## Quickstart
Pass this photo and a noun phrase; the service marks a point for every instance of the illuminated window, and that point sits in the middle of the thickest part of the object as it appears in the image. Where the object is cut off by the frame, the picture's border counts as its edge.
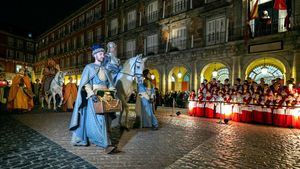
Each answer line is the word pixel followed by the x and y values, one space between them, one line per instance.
pixel 272 73
pixel 222 74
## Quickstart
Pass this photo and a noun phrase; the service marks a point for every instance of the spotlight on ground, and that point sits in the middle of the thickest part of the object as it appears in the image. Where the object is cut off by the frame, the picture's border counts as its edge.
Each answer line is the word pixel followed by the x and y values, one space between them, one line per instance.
pixel 178 113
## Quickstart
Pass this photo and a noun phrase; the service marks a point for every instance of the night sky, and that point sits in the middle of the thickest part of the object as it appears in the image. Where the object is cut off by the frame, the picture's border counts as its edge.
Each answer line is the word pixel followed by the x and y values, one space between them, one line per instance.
pixel 35 16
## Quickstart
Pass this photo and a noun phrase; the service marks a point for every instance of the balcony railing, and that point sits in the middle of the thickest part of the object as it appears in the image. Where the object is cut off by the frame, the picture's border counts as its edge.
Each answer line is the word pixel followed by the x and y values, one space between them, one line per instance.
pixel 153 16
pixel 131 25
pixel 152 50
pixel 216 38
pixel 180 6
pixel 113 32
pixel 178 44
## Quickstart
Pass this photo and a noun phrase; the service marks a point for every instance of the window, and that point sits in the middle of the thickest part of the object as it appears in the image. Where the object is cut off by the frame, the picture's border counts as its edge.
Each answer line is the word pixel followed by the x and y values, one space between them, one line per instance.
pixel 269 21
pixel 222 74
pixel 130 48
pixel 152 46
pixel 81 21
pixel 114 27
pixel 89 56
pixel 80 59
pixel 30 46
pixel 57 49
pixel 112 4
pixel 10 41
pixel 20 44
pixel 10 53
pixel 98 12
pixel 82 40
pixel 179 5
pixel 131 19
pixel 68 45
pixel 178 38
pixel 68 62
pixel 74 43
pixel 52 51
pixel 152 11
pixel 98 34
pixel 216 31
pixel 63 47
pixel 62 62
pixel 272 73
pixel 90 37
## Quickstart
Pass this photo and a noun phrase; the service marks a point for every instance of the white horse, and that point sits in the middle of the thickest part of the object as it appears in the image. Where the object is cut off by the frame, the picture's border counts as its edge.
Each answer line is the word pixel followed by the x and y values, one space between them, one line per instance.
pixel 132 69
pixel 56 87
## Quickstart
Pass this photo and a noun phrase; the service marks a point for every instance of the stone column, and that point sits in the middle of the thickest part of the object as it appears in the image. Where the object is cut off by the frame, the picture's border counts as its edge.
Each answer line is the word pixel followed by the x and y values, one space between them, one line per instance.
pixel 195 77
pixel 236 69
pixel 296 67
pixel 164 81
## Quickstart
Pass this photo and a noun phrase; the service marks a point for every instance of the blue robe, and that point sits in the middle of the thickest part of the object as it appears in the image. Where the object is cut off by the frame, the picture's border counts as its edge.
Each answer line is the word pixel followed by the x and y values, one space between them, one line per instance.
pixel 86 125
pixel 147 113
pixel 113 69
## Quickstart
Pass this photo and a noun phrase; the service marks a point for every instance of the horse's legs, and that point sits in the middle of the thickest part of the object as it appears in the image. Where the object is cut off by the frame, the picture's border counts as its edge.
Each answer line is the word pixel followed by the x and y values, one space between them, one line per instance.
pixel 126 115
pixel 54 101
pixel 61 98
pixel 49 101
pixel 42 101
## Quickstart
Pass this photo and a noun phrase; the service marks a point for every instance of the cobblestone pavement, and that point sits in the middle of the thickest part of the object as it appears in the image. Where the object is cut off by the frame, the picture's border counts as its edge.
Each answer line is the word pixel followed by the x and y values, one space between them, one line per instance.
pixel 182 142
pixel 22 147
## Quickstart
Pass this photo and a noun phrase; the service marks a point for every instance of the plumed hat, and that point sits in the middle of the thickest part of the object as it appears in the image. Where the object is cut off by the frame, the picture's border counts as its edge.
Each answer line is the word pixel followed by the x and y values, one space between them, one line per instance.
pixel 96 48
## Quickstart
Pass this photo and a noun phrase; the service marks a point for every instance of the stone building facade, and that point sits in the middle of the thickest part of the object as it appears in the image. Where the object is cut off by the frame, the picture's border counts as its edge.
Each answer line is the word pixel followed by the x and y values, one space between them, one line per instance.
pixel 16 51
pixel 186 41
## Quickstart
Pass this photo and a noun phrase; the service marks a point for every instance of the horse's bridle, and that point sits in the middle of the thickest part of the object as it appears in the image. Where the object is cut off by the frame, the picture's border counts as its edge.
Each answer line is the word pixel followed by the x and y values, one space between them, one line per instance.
pixel 138 75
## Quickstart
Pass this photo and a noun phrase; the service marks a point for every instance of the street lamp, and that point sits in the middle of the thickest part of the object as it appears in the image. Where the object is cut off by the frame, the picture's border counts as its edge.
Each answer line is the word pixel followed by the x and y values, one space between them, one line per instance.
pixel 179 75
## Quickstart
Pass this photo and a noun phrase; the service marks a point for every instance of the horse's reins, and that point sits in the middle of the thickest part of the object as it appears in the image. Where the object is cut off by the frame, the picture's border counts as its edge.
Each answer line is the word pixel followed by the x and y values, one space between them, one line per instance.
pixel 134 74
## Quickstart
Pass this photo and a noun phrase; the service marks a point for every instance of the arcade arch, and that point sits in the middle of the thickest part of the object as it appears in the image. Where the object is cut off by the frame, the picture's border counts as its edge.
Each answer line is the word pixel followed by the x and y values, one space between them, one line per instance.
pixel 179 79
pixel 155 77
pixel 214 70
pixel 267 68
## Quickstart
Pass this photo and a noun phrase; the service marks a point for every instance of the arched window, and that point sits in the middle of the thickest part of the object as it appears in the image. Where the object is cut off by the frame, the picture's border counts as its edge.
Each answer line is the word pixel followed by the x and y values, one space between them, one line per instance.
pixel 222 74
pixel 186 78
pixel 173 78
pixel 272 73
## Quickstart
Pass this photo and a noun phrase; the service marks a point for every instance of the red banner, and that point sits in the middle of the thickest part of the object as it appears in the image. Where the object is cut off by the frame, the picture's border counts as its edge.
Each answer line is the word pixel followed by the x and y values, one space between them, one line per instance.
pixel 280 5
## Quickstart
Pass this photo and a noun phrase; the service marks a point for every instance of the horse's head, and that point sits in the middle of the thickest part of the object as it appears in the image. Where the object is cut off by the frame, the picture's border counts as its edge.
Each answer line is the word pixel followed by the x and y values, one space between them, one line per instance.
pixel 134 66
pixel 59 77
pixel 138 66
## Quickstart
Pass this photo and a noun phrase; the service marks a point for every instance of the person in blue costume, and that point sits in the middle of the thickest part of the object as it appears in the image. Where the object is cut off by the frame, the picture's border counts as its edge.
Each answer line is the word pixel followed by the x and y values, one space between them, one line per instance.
pixel 146 93
pixel 87 126
pixel 112 63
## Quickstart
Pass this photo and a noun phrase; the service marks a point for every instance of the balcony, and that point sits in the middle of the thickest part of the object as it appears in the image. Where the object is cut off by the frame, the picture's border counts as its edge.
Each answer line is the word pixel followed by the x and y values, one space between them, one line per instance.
pixel 215 38
pixel 153 16
pixel 152 50
pixel 180 6
pixel 129 54
pixel 177 44
pixel 113 32
pixel 131 25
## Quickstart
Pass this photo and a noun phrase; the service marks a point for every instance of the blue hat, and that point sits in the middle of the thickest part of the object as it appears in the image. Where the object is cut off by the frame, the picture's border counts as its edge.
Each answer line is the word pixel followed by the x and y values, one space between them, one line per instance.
pixel 97 48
